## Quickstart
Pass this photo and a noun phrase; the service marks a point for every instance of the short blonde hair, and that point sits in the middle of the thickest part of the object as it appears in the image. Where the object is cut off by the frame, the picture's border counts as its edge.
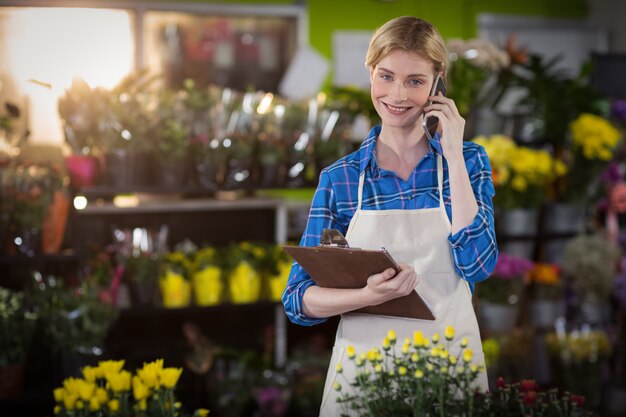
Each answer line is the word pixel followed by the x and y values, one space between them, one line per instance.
pixel 410 34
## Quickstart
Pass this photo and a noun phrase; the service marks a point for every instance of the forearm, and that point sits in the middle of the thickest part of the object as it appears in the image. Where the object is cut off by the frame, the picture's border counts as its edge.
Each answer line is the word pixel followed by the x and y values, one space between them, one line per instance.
pixel 320 302
pixel 463 200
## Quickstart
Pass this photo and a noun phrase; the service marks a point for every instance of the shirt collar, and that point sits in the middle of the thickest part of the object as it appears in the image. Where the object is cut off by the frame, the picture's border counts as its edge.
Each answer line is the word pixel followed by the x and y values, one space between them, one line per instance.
pixel 368 147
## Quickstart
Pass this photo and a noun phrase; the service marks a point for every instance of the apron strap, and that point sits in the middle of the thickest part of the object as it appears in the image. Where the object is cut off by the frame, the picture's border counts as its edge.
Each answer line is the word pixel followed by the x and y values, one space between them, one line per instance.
pixel 440 180
pixel 360 192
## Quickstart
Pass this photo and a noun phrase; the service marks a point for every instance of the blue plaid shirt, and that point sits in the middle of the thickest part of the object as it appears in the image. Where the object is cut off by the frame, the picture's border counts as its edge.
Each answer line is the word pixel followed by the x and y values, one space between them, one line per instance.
pixel 474 248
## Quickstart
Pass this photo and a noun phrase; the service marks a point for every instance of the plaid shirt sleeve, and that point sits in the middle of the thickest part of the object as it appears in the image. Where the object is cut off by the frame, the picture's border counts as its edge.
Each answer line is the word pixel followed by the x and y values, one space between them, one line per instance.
pixel 474 248
pixel 323 215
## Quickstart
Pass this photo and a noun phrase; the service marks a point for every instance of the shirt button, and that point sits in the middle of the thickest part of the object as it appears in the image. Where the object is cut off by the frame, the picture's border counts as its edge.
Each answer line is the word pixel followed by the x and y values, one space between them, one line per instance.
pixel 410 197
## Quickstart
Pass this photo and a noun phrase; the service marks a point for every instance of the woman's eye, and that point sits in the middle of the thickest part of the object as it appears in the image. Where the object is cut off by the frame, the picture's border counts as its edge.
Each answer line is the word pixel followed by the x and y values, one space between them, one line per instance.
pixel 386 77
pixel 414 83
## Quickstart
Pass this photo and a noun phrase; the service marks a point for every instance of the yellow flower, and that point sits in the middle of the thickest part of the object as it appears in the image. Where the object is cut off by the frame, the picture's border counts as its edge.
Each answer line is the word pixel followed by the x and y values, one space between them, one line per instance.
pixel 339 368
pixel 351 352
pixel 594 136
pixel 405 349
pixel 114 406
pixel 464 342
pixel 80 405
pixel 57 409
pixel 372 355
pixel 435 338
pixel 467 355
pixel 418 338
pixel 449 333
pixel 69 400
pixel 201 412
pixel 337 386
pixel 119 382
pixel 106 367
pixel 378 368
pixel 169 377
pixel 94 404
pixel 149 374
pixel 415 357
pixel 101 395
pixel 140 390
pixel 391 335
pixel 474 368
pixel 85 389
pixel 452 359
pixel 419 373
pixel 90 373
pixel 386 343
pixel 58 394
pixel 402 371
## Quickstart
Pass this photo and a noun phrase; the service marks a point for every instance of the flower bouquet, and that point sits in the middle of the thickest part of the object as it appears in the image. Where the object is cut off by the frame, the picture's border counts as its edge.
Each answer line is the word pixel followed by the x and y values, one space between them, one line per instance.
pixel 174 283
pixel 109 390
pixel 244 272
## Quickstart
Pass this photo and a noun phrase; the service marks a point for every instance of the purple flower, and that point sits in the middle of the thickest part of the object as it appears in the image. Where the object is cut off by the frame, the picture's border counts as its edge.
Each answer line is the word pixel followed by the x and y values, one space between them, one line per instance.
pixel 618 111
pixel 511 267
pixel 611 174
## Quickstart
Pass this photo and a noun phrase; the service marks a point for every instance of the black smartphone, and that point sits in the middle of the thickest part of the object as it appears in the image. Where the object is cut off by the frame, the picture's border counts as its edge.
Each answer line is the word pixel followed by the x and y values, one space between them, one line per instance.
pixel 430 122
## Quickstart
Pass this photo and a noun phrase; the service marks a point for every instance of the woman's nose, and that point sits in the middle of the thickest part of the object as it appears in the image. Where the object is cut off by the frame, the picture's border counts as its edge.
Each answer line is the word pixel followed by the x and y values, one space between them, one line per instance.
pixel 398 93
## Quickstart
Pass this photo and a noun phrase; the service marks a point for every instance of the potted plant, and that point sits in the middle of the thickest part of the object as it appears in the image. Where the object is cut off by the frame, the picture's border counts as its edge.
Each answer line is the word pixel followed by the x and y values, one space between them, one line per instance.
pixel 547 302
pixel 109 389
pixel 578 359
pixel 590 261
pixel 129 130
pixel 74 320
pixel 174 280
pixel 500 295
pixel 84 112
pixel 434 377
pixel 17 324
pixel 521 177
pixel 244 272
pixel 207 279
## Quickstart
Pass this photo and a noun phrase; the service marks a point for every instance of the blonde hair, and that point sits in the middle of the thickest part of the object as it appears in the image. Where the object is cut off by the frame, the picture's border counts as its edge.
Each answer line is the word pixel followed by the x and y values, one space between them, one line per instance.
pixel 410 34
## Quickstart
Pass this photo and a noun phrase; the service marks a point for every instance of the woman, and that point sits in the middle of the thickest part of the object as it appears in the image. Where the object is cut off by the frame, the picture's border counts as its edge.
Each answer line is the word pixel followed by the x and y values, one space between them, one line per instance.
pixel 427 202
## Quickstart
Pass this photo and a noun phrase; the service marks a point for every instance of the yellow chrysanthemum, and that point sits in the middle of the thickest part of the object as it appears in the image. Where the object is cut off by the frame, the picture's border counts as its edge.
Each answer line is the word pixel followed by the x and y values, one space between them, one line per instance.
pixel 594 136
pixel 351 352
pixel 419 373
pixel 402 370
pixel 339 368
pixel 467 355
pixel 391 335
pixel 337 386
pixel 415 357
pixel 386 343
pixel 378 368
pixel 418 338
pixel 449 332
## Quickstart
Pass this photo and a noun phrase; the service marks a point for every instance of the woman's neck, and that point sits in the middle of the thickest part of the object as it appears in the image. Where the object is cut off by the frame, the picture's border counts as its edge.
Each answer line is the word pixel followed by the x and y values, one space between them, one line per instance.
pixel 400 150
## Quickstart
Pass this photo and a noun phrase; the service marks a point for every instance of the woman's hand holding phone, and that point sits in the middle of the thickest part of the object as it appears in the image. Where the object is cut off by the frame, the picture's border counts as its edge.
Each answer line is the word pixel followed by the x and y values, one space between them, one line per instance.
pixel 388 285
pixel 451 124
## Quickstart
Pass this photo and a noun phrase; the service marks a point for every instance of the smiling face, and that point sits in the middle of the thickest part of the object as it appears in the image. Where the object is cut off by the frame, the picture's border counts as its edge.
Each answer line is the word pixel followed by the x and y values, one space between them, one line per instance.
pixel 401 83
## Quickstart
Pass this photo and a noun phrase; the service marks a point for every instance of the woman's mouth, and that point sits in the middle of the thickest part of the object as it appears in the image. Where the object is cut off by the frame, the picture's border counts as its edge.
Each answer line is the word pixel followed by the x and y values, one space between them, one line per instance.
pixel 396 110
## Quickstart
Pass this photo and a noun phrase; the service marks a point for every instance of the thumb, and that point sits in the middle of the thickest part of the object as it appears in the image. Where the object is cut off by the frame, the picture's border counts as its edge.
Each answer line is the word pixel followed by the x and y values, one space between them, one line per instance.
pixel 385 275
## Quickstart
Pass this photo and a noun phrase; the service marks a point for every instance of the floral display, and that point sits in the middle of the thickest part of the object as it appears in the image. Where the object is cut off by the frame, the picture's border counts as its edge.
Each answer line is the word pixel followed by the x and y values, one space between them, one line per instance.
pixel 472 62
pixel 434 376
pixel 17 326
pixel 521 175
pixel 207 278
pixel 591 261
pixel 506 283
pixel 109 390
pixel 546 280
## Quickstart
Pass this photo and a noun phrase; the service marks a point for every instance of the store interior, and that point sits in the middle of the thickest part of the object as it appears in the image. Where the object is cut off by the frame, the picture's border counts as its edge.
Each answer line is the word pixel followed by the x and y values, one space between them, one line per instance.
pixel 155 157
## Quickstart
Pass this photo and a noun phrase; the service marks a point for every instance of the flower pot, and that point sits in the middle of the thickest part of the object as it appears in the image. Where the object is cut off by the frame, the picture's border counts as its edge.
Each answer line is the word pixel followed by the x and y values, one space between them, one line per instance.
pixel 53 228
pixel 497 318
pixel 127 169
pixel 244 284
pixel 175 290
pixel 543 313
pixel 563 218
pixel 517 222
pixel 11 381
pixel 83 170
pixel 208 286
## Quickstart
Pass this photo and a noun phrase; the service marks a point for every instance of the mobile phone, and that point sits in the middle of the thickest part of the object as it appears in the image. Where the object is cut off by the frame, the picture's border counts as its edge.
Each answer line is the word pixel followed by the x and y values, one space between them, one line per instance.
pixel 430 123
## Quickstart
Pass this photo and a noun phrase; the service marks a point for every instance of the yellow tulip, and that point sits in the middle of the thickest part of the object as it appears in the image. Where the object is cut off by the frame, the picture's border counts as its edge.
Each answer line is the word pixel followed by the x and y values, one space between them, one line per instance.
pixel 101 395
pixel 57 409
pixel 106 367
pixel 90 373
pixel 142 404
pixel 85 389
pixel 149 374
pixel 69 400
pixel 119 382
pixel 140 390
pixel 58 394
pixel 169 377
pixel 94 404
pixel 114 406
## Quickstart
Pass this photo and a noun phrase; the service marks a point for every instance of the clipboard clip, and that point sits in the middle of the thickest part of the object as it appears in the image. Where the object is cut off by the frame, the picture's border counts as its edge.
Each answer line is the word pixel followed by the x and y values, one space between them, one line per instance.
pixel 333 237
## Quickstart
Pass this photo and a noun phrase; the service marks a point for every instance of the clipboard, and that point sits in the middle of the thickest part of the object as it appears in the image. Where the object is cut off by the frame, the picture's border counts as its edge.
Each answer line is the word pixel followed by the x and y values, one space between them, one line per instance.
pixel 344 267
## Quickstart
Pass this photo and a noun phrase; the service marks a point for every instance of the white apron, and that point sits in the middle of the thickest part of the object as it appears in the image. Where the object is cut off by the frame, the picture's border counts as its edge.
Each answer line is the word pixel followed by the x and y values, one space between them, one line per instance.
pixel 417 237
